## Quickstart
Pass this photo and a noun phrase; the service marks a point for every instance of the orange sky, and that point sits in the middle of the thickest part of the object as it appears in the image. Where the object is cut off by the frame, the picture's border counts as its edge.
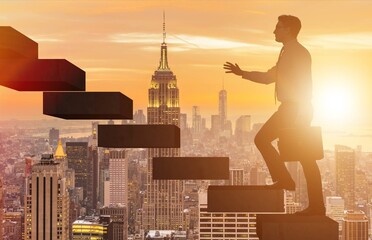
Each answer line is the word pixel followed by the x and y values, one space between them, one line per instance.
pixel 117 43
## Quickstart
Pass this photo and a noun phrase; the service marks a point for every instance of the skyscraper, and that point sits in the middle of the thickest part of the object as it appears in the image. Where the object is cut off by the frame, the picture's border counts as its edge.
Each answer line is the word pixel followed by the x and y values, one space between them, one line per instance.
pixel 78 159
pixel 236 176
pixel 355 226
pixel 1 209
pixel 53 137
pixel 335 207
pixel 163 201
pixel 139 117
pixel 118 170
pixel 119 217
pixel 242 129
pixel 345 175
pixel 224 225
pixel 196 122
pixel 47 201
pixel 222 107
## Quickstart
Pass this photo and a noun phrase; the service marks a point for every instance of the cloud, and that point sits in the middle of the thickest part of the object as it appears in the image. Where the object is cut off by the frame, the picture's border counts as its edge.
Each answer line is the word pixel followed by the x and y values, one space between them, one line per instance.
pixel 45 39
pixel 184 42
pixel 356 41
pixel 106 69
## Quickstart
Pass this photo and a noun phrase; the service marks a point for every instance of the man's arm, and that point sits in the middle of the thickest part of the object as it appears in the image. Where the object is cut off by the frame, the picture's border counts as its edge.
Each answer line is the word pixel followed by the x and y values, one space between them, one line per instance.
pixel 254 76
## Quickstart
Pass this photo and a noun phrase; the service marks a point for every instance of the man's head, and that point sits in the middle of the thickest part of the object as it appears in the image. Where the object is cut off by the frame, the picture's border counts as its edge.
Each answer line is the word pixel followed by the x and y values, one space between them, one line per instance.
pixel 287 28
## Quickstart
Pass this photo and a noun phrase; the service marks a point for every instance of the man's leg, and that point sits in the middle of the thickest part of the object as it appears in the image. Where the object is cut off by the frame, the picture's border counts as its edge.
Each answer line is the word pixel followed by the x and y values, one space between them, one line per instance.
pixel 263 140
pixel 314 188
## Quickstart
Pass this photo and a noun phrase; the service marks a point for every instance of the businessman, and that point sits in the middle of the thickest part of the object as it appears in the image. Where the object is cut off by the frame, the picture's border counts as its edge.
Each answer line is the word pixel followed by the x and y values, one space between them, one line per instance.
pixel 293 89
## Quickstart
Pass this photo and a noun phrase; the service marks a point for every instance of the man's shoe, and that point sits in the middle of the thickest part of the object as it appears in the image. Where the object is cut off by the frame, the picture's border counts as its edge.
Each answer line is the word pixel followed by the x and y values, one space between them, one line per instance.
pixel 311 211
pixel 290 186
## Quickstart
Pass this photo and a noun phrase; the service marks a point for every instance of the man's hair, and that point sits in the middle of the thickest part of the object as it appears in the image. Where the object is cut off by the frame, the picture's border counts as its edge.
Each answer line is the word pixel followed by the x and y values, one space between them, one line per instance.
pixel 292 22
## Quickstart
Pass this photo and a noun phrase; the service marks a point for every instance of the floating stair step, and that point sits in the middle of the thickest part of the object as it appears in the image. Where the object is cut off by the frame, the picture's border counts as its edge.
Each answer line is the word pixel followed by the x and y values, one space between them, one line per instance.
pixel 190 168
pixel 293 227
pixel 14 44
pixel 245 199
pixel 41 75
pixel 87 105
pixel 139 136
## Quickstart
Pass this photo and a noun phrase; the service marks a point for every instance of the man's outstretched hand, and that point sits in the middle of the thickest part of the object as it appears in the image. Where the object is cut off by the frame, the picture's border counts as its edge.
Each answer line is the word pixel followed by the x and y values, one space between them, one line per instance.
pixel 231 68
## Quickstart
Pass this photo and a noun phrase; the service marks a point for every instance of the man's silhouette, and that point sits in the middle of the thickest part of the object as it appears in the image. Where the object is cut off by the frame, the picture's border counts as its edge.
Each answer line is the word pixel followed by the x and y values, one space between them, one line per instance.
pixel 293 89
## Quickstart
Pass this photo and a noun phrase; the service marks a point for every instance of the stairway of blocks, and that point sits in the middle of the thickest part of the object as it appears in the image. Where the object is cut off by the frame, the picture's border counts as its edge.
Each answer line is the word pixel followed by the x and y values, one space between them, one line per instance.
pixel 64 96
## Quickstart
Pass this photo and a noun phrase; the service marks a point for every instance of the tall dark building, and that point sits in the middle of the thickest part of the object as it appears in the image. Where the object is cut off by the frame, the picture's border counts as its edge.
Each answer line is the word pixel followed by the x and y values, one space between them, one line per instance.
pixel 345 175
pixel 53 137
pixel 139 117
pixel 1 209
pixel 163 203
pixel 118 216
pixel 78 158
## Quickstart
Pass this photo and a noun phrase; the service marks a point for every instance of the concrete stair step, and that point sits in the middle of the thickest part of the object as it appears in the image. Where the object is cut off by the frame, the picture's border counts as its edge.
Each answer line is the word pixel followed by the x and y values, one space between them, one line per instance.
pixel 190 168
pixel 87 105
pixel 293 227
pixel 41 75
pixel 253 199
pixel 14 44
pixel 139 136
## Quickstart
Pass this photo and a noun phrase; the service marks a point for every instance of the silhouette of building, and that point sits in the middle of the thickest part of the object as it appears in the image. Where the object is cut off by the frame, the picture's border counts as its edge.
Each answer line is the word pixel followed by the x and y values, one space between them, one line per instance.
pixel 355 226
pixel 222 107
pixel 104 177
pixel 53 137
pixel 242 129
pixel 1 209
pixel 224 226
pixel 236 176
pixel 215 125
pixel 139 117
pixel 183 121
pixel 79 160
pixel 118 170
pixel 335 207
pixel 345 175
pixel 47 201
pixel 163 200
pixel 196 122
pixel 118 216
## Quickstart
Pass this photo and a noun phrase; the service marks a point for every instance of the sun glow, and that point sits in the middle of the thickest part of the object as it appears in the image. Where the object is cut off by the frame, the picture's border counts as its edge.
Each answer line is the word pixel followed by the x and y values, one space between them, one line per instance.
pixel 335 105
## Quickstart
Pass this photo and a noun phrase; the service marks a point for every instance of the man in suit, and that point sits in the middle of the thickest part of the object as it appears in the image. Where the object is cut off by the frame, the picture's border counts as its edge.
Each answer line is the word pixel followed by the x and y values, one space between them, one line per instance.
pixel 293 89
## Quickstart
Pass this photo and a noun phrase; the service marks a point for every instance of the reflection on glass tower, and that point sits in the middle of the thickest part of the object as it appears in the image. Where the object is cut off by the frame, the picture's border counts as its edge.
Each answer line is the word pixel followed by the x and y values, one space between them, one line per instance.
pixel 163 202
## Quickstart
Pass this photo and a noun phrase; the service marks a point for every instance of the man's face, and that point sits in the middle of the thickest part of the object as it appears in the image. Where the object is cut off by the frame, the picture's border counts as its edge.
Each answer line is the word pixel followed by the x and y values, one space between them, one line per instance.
pixel 281 32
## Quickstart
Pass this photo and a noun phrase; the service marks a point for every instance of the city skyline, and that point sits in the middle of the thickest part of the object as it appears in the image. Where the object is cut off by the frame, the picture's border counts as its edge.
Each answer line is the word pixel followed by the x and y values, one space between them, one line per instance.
pixel 126 34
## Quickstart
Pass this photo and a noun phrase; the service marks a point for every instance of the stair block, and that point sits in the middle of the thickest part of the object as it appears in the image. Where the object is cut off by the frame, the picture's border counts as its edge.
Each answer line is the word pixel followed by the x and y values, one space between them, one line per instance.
pixel 14 44
pixel 139 136
pixel 190 168
pixel 87 105
pixel 293 227
pixel 253 199
pixel 41 75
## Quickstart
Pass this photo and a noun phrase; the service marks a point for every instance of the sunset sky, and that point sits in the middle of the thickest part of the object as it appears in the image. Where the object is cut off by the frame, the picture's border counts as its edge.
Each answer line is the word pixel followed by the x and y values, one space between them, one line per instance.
pixel 117 43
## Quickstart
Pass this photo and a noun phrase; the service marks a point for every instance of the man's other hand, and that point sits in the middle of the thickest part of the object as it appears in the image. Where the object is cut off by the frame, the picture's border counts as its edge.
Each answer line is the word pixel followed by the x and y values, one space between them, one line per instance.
pixel 231 68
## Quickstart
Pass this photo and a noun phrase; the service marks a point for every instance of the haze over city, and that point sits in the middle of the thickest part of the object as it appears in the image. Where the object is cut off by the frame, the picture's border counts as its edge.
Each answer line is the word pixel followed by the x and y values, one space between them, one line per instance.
pixel 116 43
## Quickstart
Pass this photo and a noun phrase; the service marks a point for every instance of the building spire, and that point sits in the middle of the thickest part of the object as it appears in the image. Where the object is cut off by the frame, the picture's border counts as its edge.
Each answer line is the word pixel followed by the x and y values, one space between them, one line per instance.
pixel 164 33
pixel 163 65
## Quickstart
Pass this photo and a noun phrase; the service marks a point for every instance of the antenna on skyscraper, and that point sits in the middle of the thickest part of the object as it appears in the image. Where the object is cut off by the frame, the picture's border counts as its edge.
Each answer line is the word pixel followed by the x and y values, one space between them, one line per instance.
pixel 164 33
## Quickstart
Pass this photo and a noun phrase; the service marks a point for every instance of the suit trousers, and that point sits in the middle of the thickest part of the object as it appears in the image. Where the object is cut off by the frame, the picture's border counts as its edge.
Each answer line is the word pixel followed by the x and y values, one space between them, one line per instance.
pixel 289 115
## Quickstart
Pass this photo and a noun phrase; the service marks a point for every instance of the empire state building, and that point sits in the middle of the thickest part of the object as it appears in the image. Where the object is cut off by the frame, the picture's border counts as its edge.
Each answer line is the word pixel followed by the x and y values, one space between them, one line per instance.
pixel 163 202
